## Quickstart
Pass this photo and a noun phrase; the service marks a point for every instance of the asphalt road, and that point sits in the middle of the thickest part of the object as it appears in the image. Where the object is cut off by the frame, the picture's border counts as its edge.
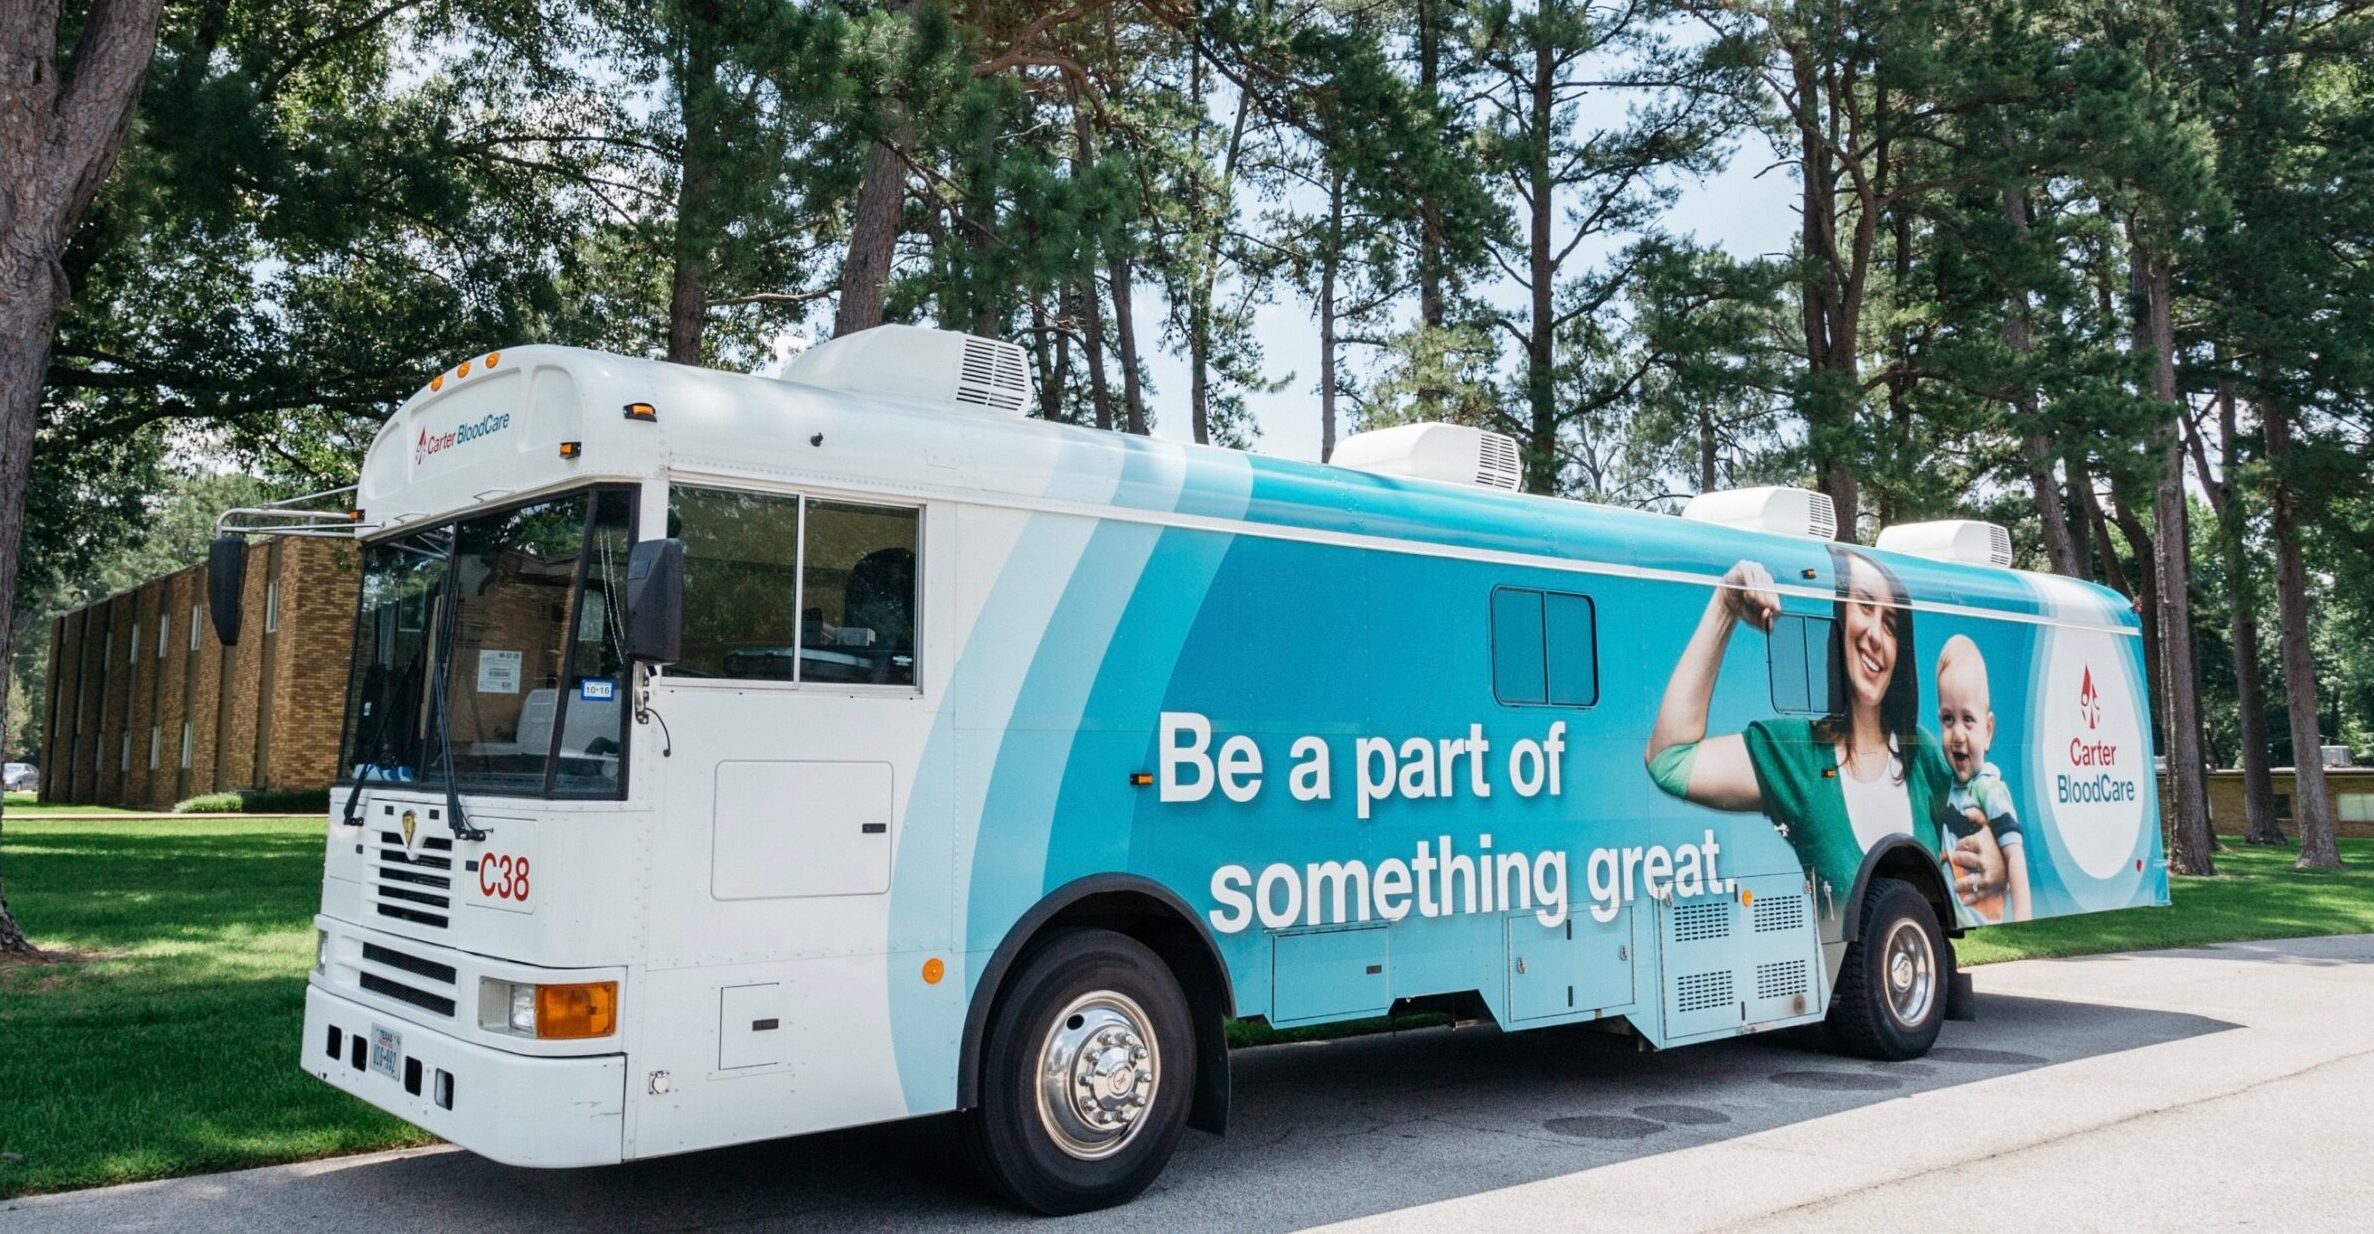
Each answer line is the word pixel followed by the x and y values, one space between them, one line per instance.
pixel 2193 1089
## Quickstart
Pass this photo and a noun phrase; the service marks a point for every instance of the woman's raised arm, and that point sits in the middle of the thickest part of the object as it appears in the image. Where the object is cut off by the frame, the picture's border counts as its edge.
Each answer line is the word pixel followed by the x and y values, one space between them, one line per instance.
pixel 1717 772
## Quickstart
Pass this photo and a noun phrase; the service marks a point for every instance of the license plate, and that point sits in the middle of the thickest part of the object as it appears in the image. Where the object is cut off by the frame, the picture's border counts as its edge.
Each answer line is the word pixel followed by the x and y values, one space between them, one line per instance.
pixel 387 1051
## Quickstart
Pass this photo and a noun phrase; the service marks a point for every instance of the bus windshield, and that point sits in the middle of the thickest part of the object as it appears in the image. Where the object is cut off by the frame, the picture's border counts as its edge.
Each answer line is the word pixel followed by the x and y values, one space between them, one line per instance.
pixel 515 615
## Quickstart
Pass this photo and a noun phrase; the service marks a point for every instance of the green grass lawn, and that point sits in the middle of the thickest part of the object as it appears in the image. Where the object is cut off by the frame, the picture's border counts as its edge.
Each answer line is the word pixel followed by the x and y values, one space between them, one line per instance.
pixel 168 1045
pixel 2257 894
pixel 171 1048
pixel 29 806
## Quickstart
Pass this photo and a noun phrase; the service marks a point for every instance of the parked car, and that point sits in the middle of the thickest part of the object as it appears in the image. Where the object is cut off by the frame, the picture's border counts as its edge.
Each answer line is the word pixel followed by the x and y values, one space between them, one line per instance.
pixel 22 777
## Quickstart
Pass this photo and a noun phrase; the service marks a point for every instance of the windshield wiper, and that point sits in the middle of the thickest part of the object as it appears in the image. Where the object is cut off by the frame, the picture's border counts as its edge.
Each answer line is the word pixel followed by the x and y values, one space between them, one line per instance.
pixel 462 830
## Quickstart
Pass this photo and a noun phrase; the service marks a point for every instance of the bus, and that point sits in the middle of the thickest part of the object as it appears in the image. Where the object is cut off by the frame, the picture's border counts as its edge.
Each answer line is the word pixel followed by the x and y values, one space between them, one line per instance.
pixel 731 757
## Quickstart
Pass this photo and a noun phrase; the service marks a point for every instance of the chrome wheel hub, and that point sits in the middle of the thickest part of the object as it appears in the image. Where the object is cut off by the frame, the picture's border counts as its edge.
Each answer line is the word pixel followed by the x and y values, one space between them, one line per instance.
pixel 1099 1069
pixel 1909 964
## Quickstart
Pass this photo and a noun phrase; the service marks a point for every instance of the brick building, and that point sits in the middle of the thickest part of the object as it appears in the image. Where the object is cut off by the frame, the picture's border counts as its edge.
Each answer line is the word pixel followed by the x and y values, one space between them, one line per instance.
pixel 147 708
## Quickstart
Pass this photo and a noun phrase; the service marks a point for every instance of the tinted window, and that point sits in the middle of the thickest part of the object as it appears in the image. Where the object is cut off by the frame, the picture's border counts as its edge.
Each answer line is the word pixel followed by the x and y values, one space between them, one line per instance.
pixel 857 598
pixel 1799 654
pixel 1544 648
pixel 794 589
pixel 741 582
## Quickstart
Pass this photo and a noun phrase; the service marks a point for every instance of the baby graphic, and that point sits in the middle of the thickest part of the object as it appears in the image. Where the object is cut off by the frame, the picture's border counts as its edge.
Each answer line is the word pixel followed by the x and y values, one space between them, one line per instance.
pixel 1978 798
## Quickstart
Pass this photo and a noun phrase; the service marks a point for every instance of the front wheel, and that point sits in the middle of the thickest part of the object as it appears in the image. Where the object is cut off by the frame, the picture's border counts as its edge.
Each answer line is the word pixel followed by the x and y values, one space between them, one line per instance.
pixel 1086 1074
pixel 1891 995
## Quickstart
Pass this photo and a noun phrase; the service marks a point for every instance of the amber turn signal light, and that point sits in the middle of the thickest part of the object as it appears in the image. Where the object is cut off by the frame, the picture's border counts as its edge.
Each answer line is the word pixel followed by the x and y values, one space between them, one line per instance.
pixel 575 1012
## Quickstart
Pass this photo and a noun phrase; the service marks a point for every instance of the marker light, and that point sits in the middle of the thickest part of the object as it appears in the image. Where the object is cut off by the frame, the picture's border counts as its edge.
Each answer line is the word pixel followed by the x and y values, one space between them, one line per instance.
pixel 1140 779
pixel 462 369
pixel 641 411
pixel 571 449
pixel 437 382
pixel 493 358
pixel 548 1012
pixel 574 1012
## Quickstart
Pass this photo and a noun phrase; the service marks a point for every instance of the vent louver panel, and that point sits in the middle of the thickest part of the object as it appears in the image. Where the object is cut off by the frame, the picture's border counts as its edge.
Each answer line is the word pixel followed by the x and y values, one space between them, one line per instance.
pixel 1780 979
pixel 1701 991
pixel 1822 520
pixel 1775 914
pixel 1999 545
pixel 1703 920
pixel 1497 464
pixel 994 375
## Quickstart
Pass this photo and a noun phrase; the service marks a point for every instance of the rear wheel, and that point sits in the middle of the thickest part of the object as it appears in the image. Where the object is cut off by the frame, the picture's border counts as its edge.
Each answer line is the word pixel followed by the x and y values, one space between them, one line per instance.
pixel 1086 1075
pixel 1891 995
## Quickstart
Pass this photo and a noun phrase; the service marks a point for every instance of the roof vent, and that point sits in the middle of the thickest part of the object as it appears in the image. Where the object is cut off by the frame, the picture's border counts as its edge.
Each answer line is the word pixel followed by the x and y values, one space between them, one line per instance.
pixel 941 368
pixel 1953 539
pixel 1450 453
pixel 1775 508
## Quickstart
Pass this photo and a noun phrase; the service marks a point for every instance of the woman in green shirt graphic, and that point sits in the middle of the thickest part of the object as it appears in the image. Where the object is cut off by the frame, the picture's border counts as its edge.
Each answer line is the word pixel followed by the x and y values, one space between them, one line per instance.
pixel 1834 785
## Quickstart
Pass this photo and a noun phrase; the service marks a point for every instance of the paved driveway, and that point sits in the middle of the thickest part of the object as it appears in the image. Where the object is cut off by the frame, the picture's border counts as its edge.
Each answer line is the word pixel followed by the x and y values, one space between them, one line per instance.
pixel 2197 1088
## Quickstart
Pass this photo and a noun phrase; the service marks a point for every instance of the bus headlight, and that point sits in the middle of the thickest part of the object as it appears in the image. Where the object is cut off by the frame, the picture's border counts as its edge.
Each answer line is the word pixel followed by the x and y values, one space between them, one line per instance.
pixel 548 1012
pixel 321 950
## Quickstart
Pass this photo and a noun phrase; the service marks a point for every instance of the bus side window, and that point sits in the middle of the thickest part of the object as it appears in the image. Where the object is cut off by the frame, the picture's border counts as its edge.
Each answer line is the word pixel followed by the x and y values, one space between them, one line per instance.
pixel 1545 648
pixel 741 568
pixel 1799 657
pixel 857 594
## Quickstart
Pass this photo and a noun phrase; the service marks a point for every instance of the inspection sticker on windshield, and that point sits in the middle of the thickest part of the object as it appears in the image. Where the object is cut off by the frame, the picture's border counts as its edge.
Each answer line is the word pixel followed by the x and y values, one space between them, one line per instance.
pixel 595 689
pixel 498 672
pixel 387 1051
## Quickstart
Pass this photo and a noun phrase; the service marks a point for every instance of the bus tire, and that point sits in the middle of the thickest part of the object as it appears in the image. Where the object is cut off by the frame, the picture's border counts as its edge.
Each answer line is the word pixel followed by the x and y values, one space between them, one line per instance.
pixel 1087 1073
pixel 1890 1001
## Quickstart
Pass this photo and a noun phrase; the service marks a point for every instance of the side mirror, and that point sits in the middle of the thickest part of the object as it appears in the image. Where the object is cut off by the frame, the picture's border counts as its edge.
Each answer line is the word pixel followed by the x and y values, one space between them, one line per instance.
pixel 655 601
pixel 226 579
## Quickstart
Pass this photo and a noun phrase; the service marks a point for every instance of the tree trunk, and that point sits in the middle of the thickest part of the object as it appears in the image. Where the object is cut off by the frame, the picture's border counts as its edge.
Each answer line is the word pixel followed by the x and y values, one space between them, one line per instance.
pixel 1125 337
pixel 874 221
pixel 2259 825
pixel 2060 547
pixel 1331 257
pixel 696 187
pixel 1092 322
pixel 1092 349
pixel 60 134
pixel 1430 249
pixel 1541 395
pixel 1052 356
pixel 873 239
pixel 2192 843
pixel 2312 806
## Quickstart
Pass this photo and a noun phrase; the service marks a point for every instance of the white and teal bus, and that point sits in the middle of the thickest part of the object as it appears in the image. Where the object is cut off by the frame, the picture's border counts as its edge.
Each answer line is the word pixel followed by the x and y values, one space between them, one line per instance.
pixel 732 758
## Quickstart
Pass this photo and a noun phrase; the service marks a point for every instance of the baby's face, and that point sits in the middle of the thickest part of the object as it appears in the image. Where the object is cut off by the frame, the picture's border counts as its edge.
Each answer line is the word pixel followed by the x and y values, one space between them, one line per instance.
pixel 1965 719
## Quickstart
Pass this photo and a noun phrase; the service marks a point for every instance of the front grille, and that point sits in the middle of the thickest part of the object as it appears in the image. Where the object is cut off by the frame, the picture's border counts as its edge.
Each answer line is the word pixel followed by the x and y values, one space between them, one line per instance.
pixel 422 982
pixel 414 886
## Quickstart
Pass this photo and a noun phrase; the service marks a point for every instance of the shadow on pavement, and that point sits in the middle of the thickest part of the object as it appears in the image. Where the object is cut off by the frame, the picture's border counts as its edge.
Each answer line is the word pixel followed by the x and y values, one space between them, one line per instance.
pixel 1323 1132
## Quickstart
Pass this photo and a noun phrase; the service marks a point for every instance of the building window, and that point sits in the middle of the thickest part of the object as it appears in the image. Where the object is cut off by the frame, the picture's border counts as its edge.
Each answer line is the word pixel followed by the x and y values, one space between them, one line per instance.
pixel 194 627
pixel 1545 648
pixel 132 645
pixel 124 761
pixel 272 606
pixel 156 744
pixel 795 589
pixel 1798 652
pixel 185 745
pixel 164 634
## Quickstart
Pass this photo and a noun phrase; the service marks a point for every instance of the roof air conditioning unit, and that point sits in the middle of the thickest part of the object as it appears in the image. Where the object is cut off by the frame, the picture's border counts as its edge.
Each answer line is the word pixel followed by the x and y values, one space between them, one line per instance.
pixel 1451 453
pixel 1774 508
pixel 1953 539
pixel 939 368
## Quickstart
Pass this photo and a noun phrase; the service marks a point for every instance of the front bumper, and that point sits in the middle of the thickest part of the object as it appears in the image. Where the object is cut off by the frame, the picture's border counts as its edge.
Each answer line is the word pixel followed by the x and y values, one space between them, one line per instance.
pixel 511 1108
